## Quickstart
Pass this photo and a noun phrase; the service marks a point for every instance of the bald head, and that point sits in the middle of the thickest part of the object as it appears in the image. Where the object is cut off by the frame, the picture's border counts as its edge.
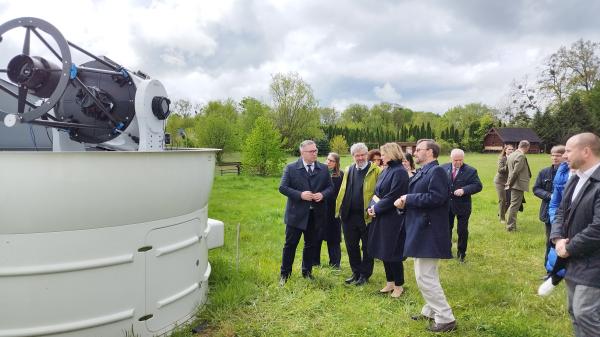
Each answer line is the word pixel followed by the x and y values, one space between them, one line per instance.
pixel 588 139
pixel 582 151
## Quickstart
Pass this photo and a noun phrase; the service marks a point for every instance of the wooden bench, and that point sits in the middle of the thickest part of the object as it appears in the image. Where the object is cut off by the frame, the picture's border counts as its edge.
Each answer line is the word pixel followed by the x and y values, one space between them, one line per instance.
pixel 230 167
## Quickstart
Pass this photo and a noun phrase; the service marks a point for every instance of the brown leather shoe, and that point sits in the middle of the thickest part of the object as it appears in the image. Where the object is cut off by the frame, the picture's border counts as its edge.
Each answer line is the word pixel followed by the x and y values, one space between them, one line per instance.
pixel 442 327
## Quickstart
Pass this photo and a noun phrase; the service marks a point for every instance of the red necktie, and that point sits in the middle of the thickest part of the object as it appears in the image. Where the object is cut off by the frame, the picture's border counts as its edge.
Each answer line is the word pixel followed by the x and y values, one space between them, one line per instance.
pixel 454 171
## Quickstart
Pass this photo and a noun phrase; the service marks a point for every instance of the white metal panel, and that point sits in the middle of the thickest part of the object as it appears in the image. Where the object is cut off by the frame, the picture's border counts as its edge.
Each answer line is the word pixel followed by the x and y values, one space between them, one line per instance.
pixel 44 192
pixel 175 271
pixel 64 282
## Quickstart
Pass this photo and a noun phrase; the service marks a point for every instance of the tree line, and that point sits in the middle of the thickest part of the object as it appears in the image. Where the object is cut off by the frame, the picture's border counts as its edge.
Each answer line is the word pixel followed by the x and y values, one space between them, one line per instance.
pixel 563 100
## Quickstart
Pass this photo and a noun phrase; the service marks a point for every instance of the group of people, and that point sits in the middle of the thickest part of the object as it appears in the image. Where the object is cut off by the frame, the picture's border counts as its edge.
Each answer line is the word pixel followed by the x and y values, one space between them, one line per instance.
pixel 570 210
pixel 569 190
pixel 387 210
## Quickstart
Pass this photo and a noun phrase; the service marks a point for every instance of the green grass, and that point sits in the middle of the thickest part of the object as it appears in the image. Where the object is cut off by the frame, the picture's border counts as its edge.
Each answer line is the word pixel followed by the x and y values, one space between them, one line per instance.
pixel 493 294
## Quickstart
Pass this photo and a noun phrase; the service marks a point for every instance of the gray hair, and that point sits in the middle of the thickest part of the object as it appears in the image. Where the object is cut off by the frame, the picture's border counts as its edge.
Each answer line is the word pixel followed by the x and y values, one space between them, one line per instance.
pixel 458 152
pixel 524 144
pixel 306 143
pixel 358 147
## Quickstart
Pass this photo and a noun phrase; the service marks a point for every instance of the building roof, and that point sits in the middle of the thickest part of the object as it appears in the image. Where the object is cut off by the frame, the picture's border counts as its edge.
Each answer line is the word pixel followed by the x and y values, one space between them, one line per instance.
pixel 515 135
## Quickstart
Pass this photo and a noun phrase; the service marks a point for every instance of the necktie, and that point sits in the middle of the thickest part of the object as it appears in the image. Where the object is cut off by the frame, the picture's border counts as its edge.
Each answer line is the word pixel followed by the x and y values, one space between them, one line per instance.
pixel 454 171
pixel 310 169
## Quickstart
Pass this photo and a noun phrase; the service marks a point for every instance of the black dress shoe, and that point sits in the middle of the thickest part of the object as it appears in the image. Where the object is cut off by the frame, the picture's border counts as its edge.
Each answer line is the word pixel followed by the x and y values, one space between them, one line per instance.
pixel 283 279
pixel 361 281
pixel 461 258
pixel 421 317
pixel 442 327
pixel 351 279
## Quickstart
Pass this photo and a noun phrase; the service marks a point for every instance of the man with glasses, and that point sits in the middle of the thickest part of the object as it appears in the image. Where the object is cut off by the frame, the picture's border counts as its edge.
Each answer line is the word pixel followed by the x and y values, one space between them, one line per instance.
pixel 307 185
pixel 358 187
pixel 428 233
pixel 543 190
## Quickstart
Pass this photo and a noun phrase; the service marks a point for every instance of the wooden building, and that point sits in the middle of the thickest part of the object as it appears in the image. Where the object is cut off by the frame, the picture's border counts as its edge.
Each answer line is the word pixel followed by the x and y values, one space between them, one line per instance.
pixel 496 138
pixel 408 147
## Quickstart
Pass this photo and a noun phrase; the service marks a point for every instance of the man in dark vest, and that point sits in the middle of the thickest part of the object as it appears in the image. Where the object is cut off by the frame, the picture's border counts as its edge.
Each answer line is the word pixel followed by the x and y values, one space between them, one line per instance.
pixel 307 185
pixel 464 182
pixel 358 187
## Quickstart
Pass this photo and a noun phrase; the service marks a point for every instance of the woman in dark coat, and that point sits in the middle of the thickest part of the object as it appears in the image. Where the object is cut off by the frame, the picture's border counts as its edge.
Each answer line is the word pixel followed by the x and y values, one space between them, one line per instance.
pixel 386 232
pixel 332 231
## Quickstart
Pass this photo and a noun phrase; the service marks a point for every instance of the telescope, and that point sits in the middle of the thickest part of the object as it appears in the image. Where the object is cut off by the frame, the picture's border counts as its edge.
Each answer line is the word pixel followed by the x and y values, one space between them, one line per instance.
pixel 98 103
pixel 106 232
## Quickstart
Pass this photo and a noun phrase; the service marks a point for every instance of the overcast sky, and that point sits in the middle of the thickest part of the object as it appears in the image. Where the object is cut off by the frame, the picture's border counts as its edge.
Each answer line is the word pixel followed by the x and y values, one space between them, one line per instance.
pixel 425 55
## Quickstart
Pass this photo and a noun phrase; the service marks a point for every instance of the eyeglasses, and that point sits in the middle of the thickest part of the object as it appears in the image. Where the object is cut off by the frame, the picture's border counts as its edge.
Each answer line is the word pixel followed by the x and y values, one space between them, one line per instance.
pixel 311 151
pixel 417 150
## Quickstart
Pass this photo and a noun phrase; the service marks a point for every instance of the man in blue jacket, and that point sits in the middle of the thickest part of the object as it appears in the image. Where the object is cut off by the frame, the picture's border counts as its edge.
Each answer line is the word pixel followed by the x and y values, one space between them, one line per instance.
pixel 576 233
pixel 543 190
pixel 428 233
pixel 307 185
pixel 464 182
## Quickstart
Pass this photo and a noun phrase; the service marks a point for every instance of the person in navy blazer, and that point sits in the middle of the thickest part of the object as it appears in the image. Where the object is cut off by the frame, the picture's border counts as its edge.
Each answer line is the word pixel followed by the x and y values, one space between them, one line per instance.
pixel 386 232
pixel 464 182
pixel 428 233
pixel 307 184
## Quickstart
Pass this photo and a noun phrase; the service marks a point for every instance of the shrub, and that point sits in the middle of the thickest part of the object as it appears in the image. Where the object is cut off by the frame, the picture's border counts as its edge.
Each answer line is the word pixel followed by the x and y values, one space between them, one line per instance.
pixel 262 154
pixel 338 144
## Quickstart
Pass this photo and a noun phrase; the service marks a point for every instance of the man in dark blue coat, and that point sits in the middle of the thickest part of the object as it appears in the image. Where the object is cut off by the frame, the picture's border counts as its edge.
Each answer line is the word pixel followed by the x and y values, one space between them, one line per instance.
pixel 307 185
pixel 464 182
pixel 428 233
pixel 576 233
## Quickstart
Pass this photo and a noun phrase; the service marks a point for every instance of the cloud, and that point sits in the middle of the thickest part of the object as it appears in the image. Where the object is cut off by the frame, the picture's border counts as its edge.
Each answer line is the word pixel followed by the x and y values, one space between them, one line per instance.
pixel 432 55
pixel 387 93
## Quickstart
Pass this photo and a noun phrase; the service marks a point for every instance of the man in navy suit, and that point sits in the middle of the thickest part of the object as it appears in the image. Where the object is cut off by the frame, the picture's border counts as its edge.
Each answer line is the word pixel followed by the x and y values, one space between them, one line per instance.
pixel 464 182
pixel 307 185
pixel 428 233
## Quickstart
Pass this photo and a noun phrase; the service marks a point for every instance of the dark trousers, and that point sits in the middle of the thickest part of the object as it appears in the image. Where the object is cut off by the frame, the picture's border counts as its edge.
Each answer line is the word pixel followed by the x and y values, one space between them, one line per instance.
pixel 334 250
pixel 548 242
pixel 462 228
pixel 355 232
pixel 394 271
pixel 292 238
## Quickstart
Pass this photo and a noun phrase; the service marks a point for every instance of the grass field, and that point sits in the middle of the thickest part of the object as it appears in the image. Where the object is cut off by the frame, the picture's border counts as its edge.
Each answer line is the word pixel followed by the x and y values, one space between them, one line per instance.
pixel 493 294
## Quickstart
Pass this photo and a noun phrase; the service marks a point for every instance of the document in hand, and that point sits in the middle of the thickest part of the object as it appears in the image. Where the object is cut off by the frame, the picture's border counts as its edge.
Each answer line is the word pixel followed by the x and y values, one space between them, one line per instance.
pixel 373 201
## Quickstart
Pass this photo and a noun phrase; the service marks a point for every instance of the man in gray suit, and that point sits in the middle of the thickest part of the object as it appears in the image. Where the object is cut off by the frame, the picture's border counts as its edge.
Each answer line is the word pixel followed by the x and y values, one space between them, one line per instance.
pixel 576 233
pixel 517 183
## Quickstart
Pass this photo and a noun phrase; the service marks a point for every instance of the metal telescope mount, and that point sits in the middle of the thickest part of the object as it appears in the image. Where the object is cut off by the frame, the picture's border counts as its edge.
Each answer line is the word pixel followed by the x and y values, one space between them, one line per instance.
pixel 98 104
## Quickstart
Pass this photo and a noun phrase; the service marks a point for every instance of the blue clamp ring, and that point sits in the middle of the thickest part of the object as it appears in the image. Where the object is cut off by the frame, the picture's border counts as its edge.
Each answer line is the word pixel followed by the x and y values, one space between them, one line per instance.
pixel 73 72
